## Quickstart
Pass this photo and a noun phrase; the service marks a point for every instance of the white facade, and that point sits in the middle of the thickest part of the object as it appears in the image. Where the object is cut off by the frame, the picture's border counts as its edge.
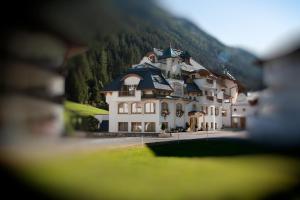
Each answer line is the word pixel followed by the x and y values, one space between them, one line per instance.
pixel 202 109
pixel 240 110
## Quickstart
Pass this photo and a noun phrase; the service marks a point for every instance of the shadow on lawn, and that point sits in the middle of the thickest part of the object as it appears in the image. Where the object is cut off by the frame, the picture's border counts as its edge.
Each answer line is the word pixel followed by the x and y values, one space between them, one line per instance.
pixel 220 147
pixel 216 147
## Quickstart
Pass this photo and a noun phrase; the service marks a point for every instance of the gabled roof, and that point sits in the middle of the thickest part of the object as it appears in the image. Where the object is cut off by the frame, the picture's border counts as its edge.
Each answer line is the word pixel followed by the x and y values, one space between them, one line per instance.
pixel 151 78
pixel 193 67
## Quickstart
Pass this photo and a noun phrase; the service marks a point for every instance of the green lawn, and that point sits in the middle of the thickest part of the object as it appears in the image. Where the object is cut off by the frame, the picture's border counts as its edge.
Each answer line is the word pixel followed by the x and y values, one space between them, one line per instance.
pixel 83 110
pixel 203 169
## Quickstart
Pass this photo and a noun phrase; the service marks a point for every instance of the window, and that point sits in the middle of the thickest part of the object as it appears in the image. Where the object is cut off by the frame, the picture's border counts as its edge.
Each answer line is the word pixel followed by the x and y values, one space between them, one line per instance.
pixel 178 107
pixel 205 92
pixel 206 110
pixel 123 108
pixel 149 126
pixel 136 126
pixel 202 108
pixel 217 111
pixel 200 93
pixel 136 108
pixel 127 90
pixel 224 113
pixel 131 89
pixel 164 106
pixel 194 107
pixel 234 109
pixel 244 109
pixel 123 126
pixel 210 81
pixel 149 107
pixel 168 74
pixel 193 76
pixel 165 124
pixel 211 125
pixel 211 111
pixel 216 125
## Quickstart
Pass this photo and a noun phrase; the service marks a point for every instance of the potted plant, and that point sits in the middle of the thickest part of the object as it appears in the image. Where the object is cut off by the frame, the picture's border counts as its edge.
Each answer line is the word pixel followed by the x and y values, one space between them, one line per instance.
pixel 179 113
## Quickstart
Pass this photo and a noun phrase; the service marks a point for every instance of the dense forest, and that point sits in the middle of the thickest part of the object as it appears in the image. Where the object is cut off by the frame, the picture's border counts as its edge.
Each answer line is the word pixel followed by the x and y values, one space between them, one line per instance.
pixel 112 54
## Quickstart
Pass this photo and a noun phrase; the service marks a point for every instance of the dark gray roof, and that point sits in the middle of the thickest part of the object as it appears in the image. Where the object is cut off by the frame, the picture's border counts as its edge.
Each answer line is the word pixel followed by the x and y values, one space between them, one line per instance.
pixel 152 78
pixel 170 53
pixel 192 87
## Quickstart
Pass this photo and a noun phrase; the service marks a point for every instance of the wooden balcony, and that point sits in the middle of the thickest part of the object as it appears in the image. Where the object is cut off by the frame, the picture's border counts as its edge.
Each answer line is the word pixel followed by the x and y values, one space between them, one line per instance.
pixel 227 96
pixel 127 93
pixel 153 96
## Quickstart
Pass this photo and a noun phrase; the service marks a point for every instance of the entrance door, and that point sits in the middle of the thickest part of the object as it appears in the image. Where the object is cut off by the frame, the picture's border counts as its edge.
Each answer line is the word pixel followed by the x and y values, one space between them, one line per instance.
pixel 193 123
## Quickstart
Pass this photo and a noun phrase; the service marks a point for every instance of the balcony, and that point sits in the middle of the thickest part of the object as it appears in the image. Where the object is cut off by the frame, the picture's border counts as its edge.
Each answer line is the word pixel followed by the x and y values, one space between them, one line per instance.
pixel 127 93
pixel 219 100
pixel 210 98
pixel 153 96
pixel 227 96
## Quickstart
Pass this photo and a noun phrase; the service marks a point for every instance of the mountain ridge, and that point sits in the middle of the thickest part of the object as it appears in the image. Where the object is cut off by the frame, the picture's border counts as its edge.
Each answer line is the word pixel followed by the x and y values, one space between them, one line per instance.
pixel 113 54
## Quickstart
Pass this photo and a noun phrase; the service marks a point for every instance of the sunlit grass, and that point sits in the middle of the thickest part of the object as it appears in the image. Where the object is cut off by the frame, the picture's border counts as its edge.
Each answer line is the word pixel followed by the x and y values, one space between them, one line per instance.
pixel 137 173
pixel 84 110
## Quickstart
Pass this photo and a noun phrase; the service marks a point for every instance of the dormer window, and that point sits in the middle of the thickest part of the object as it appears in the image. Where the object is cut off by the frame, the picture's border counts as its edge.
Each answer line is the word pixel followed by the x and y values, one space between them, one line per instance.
pixel 210 81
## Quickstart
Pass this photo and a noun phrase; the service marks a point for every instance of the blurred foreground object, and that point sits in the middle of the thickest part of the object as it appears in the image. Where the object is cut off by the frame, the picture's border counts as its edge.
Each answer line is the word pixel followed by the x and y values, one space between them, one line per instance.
pixel 277 118
pixel 37 38
pixel 34 51
pixel 32 81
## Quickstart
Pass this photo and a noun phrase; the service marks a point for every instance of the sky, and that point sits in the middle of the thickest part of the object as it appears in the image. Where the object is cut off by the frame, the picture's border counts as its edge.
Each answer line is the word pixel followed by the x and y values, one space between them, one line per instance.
pixel 256 25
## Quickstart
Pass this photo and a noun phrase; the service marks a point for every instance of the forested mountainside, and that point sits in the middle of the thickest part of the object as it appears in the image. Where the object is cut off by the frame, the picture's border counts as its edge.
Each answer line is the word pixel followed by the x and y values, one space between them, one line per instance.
pixel 111 55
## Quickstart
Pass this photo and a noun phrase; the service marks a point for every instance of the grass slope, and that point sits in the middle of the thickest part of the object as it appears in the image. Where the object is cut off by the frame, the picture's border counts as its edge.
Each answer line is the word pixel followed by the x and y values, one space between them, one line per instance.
pixel 156 172
pixel 84 110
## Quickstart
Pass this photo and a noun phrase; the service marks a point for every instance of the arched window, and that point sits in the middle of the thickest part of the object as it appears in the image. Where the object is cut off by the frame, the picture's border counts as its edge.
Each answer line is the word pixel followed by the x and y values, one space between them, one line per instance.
pixel 136 108
pixel 178 107
pixel 123 108
pixel 164 106
pixel 149 107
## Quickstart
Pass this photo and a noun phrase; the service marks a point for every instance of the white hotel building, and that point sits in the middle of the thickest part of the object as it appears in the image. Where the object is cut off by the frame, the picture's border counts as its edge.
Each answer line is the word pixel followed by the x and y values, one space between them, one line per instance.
pixel 169 89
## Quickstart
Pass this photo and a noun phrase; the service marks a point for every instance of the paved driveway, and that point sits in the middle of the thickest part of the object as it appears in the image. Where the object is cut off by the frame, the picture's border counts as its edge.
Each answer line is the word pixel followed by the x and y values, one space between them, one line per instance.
pixel 128 141
pixel 72 145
